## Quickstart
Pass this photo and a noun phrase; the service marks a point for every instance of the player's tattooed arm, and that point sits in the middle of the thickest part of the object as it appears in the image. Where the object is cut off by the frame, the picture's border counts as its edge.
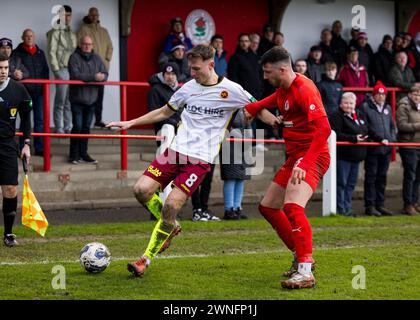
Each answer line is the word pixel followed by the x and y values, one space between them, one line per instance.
pixel 269 118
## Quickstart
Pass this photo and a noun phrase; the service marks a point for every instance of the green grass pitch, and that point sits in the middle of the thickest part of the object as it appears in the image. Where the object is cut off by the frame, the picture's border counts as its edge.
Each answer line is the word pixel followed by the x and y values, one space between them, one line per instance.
pixel 219 260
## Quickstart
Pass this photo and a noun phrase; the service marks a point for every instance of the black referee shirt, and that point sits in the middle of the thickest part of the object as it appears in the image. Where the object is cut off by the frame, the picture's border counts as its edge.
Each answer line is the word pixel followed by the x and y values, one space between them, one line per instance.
pixel 14 99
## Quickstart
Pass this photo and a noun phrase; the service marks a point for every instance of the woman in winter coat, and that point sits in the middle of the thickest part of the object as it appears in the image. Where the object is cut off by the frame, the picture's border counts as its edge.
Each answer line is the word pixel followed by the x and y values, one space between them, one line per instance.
pixel 349 126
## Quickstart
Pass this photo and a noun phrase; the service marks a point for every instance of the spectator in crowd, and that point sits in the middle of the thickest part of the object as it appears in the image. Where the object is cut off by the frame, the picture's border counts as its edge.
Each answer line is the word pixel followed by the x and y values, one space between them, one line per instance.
pixel 315 66
pixel 325 44
pixel 266 42
pixel 416 52
pixel 407 46
pixel 365 54
pixel 220 62
pixel 349 126
pixel 102 46
pixel 233 169
pixel 163 85
pixel 354 32
pixel 255 42
pixel 301 67
pixel 278 39
pixel 330 89
pixel 178 56
pixel 408 124
pixel 62 42
pixel 398 42
pixel 407 40
pixel 17 71
pixel 353 74
pixel 34 60
pixel 176 35
pixel 377 114
pixel 268 90
pixel 400 74
pixel 338 44
pixel 244 67
pixel 85 65
pixel 383 60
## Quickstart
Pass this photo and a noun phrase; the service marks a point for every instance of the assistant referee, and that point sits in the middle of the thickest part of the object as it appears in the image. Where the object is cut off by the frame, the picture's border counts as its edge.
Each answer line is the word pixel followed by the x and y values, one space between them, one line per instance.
pixel 14 99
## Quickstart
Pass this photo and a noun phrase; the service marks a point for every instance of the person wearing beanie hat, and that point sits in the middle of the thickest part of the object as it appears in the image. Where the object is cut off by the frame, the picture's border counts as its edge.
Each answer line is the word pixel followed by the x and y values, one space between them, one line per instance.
pixel 379 88
pixel 163 85
pixel 177 56
pixel 176 33
pixel 377 114
pixel 266 42
pixel 17 71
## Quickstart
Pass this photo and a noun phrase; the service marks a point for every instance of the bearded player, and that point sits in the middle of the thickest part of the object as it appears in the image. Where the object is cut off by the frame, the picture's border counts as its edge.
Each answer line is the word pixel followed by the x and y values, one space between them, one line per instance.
pixel 306 130
pixel 210 102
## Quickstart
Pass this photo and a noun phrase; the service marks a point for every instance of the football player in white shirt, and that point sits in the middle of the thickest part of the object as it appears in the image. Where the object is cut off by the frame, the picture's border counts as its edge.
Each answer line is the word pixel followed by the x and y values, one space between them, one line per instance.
pixel 209 103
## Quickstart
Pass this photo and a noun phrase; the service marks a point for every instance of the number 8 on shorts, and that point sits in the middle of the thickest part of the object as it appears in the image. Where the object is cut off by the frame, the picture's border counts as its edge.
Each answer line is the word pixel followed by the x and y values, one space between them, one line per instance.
pixel 190 181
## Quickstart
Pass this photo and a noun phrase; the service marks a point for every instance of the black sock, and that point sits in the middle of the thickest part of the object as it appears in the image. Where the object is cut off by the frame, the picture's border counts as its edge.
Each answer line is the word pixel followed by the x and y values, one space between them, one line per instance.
pixel 9 213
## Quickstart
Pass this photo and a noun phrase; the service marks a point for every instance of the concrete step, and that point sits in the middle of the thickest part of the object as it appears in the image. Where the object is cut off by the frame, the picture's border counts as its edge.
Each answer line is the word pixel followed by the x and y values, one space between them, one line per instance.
pixel 105 199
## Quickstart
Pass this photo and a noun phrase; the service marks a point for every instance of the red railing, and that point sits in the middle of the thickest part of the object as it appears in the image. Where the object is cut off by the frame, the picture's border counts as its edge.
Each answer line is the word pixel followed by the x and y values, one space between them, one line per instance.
pixel 393 103
pixel 123 111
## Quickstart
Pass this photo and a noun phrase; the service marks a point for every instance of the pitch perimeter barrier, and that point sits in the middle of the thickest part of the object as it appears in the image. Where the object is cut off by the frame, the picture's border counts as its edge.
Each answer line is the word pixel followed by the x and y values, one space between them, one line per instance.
pixel 123 117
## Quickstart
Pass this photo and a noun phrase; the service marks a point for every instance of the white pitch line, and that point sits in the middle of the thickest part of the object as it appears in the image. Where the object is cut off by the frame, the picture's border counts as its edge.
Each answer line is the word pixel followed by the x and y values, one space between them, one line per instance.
pixel 21 263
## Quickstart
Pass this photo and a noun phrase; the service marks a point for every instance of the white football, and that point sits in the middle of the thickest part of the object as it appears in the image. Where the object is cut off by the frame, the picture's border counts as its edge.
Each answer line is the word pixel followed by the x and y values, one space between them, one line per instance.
pixel 95 257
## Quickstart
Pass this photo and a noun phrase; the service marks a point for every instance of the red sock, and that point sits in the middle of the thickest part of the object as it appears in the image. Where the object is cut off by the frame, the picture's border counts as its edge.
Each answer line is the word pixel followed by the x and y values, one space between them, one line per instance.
pixel 301 231
pixel 280 223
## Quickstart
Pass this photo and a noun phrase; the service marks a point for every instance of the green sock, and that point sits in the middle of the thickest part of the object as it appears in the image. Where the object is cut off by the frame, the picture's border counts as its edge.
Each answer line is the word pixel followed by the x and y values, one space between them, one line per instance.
pixel 154 206
pixel 160 234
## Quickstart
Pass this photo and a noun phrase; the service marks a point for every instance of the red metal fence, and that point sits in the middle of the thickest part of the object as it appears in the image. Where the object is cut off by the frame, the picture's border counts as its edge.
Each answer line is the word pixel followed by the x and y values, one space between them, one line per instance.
pixel 123 111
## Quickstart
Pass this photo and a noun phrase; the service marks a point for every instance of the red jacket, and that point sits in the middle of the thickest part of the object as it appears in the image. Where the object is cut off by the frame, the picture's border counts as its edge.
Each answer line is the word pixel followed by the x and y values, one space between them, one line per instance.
pixel 349 78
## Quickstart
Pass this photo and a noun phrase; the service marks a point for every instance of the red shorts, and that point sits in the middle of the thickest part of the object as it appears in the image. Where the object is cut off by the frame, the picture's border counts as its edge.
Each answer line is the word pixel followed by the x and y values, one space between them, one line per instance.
pixel 313 174
pixel 186 173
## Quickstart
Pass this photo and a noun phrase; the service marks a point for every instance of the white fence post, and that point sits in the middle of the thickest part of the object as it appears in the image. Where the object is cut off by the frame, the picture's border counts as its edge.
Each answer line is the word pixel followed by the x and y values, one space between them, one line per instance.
pixel 329 182
pixel 168 131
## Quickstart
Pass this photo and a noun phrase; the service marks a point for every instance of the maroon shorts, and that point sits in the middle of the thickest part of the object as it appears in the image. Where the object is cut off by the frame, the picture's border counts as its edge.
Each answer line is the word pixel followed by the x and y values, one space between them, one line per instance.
pixel 313 174
pixel 187 173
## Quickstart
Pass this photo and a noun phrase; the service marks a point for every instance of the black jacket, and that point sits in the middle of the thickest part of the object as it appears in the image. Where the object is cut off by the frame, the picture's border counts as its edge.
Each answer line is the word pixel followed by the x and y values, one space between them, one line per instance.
pixel 380 124
pixel 233 164
pixel 158 96
pixel 84 67
pixel 382 62
pixel 331 92
pixel 339 47
pixel 36 65
pixel 347 130
pixel 244 68
pixel 264 46
pixel 327 53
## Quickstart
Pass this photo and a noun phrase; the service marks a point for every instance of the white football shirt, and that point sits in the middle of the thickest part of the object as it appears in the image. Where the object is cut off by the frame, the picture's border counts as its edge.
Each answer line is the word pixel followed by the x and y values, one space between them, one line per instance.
pixel 208 111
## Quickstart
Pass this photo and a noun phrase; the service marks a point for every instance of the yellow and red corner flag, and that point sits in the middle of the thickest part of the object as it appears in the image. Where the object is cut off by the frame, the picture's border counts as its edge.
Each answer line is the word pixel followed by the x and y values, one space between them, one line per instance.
pixel 32 215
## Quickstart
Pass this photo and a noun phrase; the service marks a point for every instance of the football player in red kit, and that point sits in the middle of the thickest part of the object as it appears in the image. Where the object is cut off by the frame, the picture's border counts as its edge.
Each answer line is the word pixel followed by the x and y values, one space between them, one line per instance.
pixel 306 130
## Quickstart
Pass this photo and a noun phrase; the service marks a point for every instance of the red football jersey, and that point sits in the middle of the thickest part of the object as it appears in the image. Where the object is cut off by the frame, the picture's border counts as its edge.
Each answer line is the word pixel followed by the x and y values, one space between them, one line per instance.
pixel 299 105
